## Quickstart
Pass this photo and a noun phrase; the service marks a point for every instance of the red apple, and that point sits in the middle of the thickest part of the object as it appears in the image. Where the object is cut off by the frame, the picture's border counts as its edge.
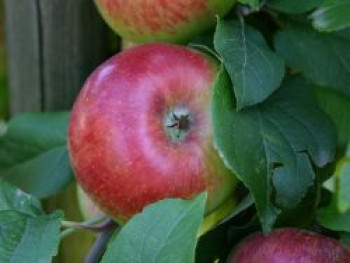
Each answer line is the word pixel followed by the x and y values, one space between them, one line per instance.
pixel 140 131
pixel 175 21
pixel 290 245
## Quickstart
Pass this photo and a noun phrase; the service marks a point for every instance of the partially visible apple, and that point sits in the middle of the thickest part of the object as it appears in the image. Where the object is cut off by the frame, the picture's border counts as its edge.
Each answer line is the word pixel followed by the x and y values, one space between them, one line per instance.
pixel 175 21
pixel 140 131
pixel 290 245
pixel 88 208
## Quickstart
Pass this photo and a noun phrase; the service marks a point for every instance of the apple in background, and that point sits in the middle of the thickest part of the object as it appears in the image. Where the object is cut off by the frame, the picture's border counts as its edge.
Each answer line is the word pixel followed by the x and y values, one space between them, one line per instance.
pixel 140 131
pixel 88 208
pixel 288 245
pixel 175 21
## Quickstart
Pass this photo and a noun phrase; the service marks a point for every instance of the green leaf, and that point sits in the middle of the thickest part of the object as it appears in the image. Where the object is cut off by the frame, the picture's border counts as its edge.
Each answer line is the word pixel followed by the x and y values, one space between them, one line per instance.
pixel 303 215
pixel 12 198
pixel 33 153
pixel 242 206
pixel 28 239
pixel 343 185
pixel 337 213
pixel 204 42
pixel 271 144
pixel 254 69
pixel 294 6
pixel 165 232
pixel 26 233
pixel 331 218
pixel 322 58
pixel 333 15
pixel 337 107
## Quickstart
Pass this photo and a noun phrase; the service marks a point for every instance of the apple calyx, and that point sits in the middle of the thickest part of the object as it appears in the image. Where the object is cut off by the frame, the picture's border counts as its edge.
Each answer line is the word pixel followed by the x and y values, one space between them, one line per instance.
pixel 178 123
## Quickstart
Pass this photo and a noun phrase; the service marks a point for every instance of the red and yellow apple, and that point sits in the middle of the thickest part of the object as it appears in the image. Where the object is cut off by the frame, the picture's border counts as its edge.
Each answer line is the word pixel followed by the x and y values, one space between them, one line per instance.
pixel 175 21
pixel 140 131
pixel 290 245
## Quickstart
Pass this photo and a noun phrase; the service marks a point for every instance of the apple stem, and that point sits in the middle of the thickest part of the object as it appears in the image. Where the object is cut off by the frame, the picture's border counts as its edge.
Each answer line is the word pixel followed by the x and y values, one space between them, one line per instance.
pixel 99 247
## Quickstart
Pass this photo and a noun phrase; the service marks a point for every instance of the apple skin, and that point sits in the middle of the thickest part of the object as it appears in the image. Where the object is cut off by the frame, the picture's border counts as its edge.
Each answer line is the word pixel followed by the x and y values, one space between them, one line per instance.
pixel 289 245
pixel 124 148
pixel 88 208
pixel 173 21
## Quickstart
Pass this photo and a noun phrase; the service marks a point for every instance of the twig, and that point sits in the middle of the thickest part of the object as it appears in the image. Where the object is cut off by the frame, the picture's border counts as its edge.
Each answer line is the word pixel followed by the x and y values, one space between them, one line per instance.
pixel 101 242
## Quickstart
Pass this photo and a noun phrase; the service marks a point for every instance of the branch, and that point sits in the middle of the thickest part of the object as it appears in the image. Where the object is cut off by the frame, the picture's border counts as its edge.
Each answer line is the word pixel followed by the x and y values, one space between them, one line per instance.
pixel 101 243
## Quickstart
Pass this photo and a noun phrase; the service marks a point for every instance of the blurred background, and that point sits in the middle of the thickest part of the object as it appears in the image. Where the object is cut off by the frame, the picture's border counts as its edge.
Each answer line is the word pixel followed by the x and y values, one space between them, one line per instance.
pixel 3 87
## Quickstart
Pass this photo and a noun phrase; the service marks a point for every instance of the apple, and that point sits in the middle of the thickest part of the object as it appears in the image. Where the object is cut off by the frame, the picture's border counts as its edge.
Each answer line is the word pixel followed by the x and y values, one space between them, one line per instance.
pixel 88 208
pixel 289 245
pixel 140 131
pixel 175 21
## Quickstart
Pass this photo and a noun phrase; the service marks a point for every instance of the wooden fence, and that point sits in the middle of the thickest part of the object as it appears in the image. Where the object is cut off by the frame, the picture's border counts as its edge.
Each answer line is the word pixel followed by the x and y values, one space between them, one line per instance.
pixel 52 45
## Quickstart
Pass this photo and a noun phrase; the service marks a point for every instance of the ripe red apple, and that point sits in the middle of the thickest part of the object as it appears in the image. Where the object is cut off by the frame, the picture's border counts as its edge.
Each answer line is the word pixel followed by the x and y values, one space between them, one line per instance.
pixel 290 245
pixel 140 131
pixel 175 21
pixel 88 208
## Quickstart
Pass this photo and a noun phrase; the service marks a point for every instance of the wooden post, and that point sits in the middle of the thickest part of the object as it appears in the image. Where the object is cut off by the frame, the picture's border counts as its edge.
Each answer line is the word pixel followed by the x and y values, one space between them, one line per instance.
pixel 24 61
pixel 52 46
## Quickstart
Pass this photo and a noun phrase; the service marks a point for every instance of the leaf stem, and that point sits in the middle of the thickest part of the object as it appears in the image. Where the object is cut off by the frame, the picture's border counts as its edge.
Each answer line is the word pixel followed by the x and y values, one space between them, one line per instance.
pixel 93 225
